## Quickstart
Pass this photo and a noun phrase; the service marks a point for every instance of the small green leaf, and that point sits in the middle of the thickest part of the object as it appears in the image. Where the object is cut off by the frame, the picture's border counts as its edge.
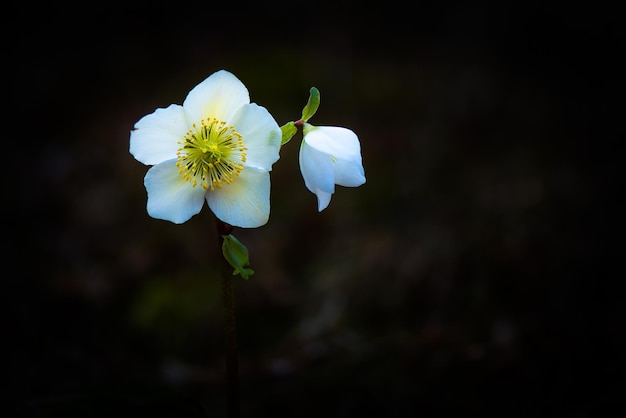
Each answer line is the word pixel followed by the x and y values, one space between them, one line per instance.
pixel 237 256
pixel 289 130
pixel 312 105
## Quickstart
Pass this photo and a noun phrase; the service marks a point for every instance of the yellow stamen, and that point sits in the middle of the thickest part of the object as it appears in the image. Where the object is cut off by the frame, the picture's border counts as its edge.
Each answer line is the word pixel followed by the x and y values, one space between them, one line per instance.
pixel 211 155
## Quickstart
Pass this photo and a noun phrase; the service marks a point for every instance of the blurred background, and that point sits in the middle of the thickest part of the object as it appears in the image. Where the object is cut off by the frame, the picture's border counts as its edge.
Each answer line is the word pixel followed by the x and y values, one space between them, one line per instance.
pixel 474 272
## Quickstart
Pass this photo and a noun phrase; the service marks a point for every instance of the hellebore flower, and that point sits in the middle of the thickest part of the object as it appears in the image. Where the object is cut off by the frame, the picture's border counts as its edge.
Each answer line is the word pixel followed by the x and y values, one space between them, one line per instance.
pixel 217 147
pixel 330 155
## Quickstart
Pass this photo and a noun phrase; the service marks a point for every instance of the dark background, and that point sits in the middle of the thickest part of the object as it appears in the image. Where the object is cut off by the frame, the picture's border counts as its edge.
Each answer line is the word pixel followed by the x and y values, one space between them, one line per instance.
pixel 475 272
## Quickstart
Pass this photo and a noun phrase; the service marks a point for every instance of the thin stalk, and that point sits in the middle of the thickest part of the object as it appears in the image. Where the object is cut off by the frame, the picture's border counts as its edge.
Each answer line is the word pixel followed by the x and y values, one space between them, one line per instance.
pixel 230 328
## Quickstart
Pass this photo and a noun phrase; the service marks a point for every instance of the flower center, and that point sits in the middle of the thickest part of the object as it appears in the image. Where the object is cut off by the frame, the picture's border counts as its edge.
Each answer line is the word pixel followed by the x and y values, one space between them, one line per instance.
pixel 211 155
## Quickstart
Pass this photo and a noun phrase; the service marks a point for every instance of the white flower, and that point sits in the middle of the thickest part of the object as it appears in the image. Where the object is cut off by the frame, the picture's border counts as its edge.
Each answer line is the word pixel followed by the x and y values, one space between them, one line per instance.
pixel 330 155
pixel 217 147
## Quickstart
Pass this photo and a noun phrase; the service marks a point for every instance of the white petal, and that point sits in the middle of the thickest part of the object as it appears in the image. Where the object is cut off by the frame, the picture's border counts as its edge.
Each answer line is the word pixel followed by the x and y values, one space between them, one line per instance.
pixel 245 202
pixel 261 135
pixel 220 95
pixel 170 197
pixel 339 142
pixel 323 200
pixel 317 170
pixel 349 173
pixel 156 136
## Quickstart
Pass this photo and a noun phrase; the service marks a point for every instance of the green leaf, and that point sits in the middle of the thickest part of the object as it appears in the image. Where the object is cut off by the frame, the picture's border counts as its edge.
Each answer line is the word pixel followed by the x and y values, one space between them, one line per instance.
pixel 289 130
pixel 237 256
pixel 312 105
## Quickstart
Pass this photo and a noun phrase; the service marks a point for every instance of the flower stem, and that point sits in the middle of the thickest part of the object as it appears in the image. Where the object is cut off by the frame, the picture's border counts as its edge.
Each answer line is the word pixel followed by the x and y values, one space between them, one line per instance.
pixel 230 328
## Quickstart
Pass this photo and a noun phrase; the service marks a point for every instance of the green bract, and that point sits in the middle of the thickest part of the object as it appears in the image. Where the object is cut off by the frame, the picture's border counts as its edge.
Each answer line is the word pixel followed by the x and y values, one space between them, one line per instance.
pixel 237 256
pixel 289 130
pixel 312 105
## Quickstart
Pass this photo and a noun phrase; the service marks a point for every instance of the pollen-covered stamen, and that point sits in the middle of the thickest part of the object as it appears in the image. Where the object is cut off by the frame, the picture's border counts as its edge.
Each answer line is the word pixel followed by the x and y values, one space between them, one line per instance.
pixel 211 154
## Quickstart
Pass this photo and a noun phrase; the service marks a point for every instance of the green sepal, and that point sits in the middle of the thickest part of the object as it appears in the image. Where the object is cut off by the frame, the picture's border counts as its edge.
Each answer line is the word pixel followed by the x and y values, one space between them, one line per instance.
pixel 312 105
pixel 289 130
pixel 237 256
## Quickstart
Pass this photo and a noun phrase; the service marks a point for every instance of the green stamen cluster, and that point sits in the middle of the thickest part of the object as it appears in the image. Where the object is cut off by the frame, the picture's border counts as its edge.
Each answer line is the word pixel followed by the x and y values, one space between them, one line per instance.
pixel 211 155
